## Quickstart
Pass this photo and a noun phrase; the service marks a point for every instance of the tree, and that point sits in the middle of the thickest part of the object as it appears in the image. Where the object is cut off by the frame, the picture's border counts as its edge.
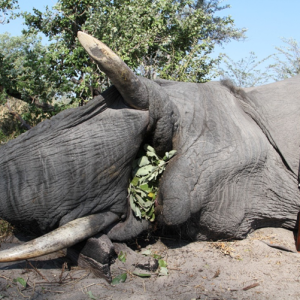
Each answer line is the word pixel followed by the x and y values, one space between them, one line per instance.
pixel 245 72
pixel 25 75
pixel 287 60
pixel 25 72
pixel 170 39
pixel 156 38
pixel 6 7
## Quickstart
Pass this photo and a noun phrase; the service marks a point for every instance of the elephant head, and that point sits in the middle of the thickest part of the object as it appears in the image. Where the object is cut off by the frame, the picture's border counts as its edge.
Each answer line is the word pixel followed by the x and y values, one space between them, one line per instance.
pixel 235 170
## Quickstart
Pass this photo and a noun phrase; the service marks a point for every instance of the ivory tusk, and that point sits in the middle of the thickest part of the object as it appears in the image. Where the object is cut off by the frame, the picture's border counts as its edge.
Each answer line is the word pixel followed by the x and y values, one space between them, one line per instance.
pixel 60 238
pixel 128 84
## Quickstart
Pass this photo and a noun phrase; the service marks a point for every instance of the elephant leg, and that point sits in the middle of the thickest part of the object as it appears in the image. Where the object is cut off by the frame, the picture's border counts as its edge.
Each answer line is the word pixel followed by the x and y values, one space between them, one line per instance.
pixel 96 253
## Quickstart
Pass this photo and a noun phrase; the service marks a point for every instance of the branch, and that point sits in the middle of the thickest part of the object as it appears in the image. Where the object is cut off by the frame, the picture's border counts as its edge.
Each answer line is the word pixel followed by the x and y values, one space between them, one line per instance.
pixel 16 115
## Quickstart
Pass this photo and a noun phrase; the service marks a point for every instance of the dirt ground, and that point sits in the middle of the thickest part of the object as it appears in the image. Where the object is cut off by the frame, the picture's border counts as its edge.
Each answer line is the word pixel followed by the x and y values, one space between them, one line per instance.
pixel 247 269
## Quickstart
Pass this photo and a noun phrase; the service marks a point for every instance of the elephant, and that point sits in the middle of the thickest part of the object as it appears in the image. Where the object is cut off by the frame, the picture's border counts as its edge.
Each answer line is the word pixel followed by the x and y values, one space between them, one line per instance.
pixel 236 167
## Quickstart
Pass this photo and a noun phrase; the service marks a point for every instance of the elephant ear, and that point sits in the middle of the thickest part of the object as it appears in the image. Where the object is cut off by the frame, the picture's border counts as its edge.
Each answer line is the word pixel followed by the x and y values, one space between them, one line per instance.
pixel 132 89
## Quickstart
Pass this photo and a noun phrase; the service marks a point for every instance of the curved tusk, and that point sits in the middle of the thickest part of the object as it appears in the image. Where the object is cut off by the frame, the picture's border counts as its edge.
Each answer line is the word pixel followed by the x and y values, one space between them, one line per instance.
pixel 128 84
pixel 60 238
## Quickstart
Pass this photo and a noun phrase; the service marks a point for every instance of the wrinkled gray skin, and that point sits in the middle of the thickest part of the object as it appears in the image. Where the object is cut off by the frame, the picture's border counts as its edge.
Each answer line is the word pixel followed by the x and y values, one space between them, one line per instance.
pixel 235 170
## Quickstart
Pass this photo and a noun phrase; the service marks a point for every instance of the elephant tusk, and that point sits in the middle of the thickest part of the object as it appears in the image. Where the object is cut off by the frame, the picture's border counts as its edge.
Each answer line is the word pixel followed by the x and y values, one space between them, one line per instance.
pixel 60 238
pixel 132 89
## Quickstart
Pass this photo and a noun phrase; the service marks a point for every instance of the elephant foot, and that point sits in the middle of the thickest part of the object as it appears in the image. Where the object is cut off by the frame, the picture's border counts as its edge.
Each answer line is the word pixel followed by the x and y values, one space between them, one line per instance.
pixel 96 253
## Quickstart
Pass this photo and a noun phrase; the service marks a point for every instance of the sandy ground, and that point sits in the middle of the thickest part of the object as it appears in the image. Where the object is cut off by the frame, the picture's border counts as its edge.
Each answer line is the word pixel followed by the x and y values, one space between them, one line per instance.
pixel 248 269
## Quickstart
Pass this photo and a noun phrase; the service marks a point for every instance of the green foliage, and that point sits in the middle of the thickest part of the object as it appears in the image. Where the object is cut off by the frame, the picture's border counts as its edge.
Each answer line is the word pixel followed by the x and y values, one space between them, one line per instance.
pixel 10 125
pixel 163 270
pixel 143 188
pixel 21 281
pixel 143 275
pixel 25 72
pixel 6 7
pixel 119 279
pixel 245 72
pixel 91 296
pixel 161 38
pixel 6 229
pixel 35 115
pixel 122 257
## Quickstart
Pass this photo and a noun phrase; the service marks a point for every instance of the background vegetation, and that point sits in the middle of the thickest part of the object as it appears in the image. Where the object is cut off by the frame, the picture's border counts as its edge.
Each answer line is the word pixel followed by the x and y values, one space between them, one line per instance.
pixel 170 39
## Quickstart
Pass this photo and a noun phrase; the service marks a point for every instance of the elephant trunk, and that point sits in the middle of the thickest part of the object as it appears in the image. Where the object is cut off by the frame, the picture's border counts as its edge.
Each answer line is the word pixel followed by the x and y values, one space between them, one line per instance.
pixel 60 238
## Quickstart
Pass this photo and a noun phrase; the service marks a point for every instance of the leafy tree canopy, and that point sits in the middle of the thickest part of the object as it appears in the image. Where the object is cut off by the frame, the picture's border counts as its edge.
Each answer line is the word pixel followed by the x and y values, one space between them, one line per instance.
pixel 6 7
pixel 156 38
pixel 170 39
pixel 25 72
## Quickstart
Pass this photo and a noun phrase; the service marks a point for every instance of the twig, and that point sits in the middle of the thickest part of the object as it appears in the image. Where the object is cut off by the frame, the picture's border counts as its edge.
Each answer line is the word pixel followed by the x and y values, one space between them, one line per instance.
pixel 89 285
pixel 64 266
pixel 36 270
pixel 5 277
pixel 279 247
pixel 74 282
pixel 144 285
pixel 15 114
pixel 217 274
pixel 54 291
pixel 250 286
pixel 22 293
pixel 175 269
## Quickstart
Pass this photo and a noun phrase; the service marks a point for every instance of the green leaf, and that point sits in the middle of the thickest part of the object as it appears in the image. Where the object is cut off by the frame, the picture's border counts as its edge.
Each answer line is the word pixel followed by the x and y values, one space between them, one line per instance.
pixel 152 219
pixel 152 195
pixel 90 294
pixel 148 148
pixel 143 161
pixel 163 271
pixel 21 281
pixel 145 187
pixel 134 207
pixel 145 170
pixel 141 192
pixel 144 203
pixel 141 274
pixel 156 256
pixel 135 181
pixel 172 153
pixel 153 176
pixel 119 279
pixel 146 252
pixel 162 263
pixel 152 154
pixel 122 256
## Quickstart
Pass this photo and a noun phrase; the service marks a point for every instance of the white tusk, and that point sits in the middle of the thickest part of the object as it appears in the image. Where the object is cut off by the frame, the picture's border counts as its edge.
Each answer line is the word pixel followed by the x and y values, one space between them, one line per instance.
pixel 128 84
pixel 60 238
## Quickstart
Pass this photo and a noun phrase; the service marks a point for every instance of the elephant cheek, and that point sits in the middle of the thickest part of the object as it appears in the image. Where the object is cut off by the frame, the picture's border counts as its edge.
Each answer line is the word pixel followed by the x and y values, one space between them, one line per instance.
pixel 174 202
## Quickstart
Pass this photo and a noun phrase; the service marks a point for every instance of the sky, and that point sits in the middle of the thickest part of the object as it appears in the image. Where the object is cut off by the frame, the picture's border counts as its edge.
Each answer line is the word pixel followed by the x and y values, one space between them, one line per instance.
pixel 266 21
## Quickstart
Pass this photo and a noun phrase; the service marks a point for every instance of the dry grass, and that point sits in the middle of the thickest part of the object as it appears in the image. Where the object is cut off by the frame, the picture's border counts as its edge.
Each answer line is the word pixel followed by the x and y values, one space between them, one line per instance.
pixel 225 247
pixel 9 126
pixel 6 229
